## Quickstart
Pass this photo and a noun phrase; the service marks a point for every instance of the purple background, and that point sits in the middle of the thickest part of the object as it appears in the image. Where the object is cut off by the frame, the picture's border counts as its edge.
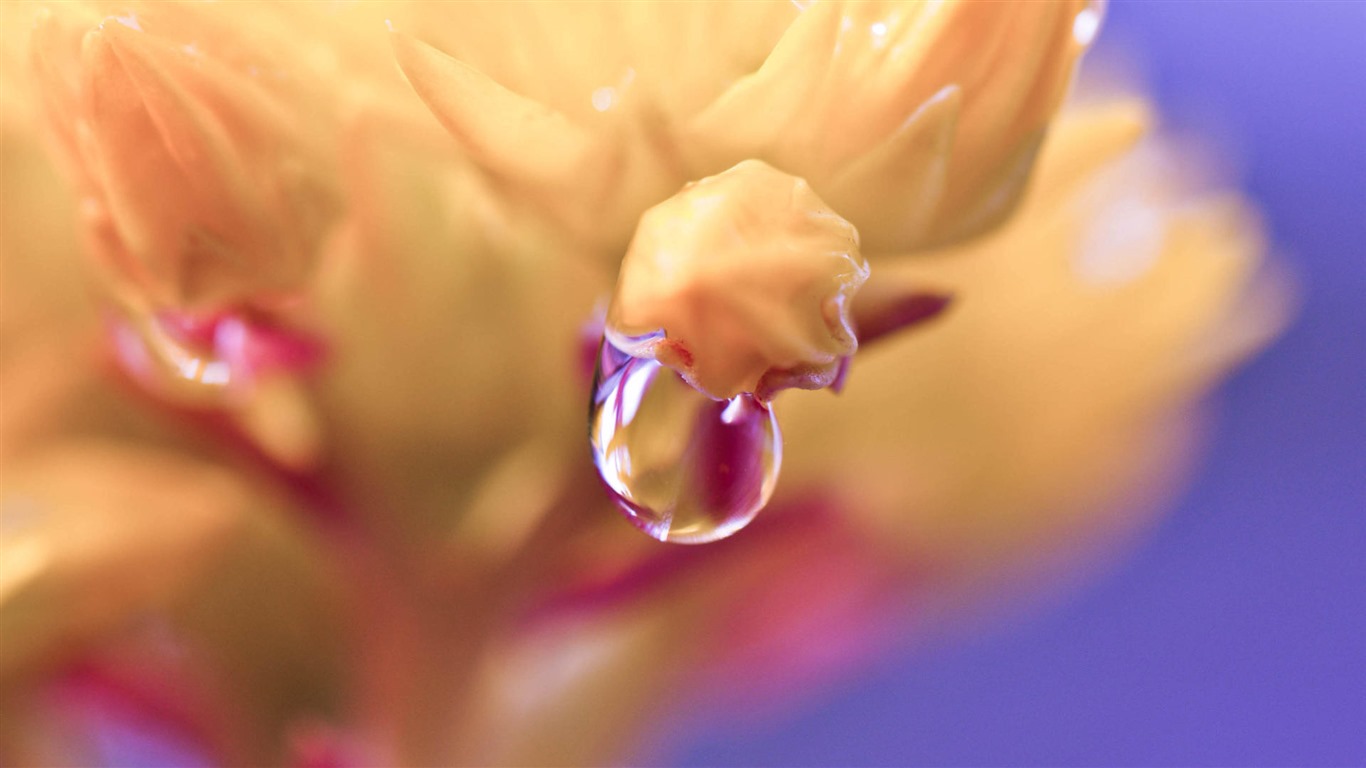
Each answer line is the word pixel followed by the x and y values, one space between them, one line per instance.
pixel 1236 635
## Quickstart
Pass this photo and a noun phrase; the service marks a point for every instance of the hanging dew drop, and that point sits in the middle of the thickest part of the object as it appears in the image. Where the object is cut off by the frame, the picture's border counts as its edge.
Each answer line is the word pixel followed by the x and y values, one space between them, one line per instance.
pixel 683 467
pixel 745 281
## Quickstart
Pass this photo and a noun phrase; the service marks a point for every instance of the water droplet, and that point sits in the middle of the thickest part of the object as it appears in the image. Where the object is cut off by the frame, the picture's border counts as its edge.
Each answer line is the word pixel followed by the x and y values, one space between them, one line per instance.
pixel 213 361
pixel 682 466
pixel 175 356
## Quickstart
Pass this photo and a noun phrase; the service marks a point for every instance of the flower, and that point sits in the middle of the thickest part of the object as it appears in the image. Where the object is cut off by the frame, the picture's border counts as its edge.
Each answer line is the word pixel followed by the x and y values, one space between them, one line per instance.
pixel 307 482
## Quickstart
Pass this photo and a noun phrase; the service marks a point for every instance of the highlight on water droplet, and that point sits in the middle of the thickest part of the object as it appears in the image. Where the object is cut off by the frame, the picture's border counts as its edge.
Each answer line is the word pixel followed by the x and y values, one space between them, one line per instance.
pixel 683 467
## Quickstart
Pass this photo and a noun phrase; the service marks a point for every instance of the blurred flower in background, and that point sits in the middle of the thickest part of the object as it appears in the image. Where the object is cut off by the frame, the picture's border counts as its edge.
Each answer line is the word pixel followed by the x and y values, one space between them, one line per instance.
pixel 295 465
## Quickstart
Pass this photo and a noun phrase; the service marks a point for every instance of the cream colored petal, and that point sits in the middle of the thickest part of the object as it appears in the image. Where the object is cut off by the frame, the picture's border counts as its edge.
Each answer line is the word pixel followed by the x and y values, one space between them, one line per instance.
pixel 510 135
pixel 846 76
pixel 828 89
pixel 874 187
pixel 1095 137
pixel 1008 102
pixel 664 58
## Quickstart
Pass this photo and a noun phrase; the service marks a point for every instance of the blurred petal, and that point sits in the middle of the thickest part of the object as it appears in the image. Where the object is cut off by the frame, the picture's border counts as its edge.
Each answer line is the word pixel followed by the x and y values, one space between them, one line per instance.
pixel 1050 393
pixel 138 524
pixel 203 163
pixel 242 206
pixel 455 329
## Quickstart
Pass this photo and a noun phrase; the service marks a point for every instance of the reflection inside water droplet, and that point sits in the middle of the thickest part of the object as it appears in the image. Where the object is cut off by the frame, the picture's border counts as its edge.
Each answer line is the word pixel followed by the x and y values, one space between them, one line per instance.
pixel 683 467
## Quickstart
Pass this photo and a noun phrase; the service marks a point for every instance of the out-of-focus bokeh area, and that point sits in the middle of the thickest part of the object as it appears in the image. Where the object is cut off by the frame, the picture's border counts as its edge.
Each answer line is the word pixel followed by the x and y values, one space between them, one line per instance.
pixel 1236 633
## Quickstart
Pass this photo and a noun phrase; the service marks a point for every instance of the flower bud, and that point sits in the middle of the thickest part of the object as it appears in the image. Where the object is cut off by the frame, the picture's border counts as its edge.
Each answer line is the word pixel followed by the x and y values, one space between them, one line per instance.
pixel 749 276
pixel 205 180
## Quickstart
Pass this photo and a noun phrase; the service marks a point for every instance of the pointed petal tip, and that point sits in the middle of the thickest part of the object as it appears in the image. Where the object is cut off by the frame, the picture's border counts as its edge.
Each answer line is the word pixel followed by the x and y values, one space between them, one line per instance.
pixel 508 134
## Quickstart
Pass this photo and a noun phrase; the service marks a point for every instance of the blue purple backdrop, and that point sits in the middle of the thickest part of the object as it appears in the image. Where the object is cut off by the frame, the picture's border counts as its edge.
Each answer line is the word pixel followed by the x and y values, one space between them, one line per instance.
pixel 1237 634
